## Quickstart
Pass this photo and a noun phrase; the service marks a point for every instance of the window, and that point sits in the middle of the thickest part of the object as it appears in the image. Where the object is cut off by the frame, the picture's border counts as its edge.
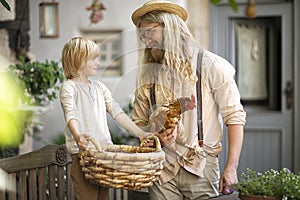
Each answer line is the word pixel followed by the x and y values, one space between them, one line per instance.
pixel 259 61
pixel 49 27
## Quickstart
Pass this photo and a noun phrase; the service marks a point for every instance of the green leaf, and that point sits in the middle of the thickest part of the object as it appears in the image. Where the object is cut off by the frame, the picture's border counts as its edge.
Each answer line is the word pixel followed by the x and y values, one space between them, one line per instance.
pixel 215 2
pixel 233 5
pixel 5 4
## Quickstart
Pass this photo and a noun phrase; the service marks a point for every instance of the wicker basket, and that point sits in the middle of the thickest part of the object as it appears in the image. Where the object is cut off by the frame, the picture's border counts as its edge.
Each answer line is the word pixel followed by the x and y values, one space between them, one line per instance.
pixel 123 166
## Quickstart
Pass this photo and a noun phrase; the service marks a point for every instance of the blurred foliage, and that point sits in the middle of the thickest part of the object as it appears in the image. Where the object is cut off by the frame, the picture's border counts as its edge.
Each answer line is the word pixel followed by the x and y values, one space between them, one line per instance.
pixel 232 4
pixel 39 79
pixel 59 139
pixel 13 121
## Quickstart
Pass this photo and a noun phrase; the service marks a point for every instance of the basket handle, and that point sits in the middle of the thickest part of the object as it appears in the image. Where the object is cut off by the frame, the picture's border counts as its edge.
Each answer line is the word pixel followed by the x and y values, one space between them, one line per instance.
pixel 95 143
pixel 152 137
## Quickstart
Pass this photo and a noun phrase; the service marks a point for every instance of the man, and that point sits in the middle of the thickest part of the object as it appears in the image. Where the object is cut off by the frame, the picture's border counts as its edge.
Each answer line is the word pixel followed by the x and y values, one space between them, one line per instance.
pixel 169 60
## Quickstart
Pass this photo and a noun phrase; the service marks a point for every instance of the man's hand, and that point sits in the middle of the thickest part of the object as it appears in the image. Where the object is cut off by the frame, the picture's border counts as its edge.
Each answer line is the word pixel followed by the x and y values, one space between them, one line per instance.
pixel 227 179
pixel 167 136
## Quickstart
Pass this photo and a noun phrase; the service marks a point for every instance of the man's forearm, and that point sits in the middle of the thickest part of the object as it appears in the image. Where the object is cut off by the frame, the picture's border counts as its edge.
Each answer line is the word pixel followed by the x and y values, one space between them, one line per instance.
pixel 235 142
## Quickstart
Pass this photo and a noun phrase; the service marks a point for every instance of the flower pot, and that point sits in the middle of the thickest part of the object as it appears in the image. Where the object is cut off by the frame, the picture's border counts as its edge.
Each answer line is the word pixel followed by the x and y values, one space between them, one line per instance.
pixel 255 197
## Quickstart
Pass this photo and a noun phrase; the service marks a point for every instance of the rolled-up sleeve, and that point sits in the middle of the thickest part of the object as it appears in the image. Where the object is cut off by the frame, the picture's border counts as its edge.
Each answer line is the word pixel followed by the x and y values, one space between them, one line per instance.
pixel 230 108
pixel 226 93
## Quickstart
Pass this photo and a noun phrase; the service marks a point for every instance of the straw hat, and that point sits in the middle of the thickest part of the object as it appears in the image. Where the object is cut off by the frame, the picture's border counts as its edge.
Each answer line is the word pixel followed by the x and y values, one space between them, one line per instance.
pixel 158 5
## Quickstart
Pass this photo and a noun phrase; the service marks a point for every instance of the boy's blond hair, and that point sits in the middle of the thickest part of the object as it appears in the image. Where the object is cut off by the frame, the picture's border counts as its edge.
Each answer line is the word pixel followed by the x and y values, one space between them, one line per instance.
pixel 75 52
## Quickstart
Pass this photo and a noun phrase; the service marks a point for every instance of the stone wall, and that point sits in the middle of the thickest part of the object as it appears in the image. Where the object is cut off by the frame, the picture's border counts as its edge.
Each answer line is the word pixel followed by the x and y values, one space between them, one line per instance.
pixel 7 56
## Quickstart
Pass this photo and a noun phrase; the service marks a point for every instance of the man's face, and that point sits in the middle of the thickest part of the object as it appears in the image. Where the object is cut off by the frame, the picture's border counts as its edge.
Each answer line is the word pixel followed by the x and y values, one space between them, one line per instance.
pixel 151 34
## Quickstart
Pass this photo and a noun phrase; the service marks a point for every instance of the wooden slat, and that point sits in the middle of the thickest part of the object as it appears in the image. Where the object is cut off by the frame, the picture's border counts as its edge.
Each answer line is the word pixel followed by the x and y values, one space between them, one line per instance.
pixel 51 177
pixel 60 182
pixel 42 183
pixel 118 194
pixel 2 194
pixel 32 186
pixel 12 185
pixel 3 186
pixel 22 185
pixel 69 186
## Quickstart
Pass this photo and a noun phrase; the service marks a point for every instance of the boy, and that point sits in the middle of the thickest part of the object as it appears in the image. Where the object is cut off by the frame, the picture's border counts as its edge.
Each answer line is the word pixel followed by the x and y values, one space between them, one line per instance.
pixel 85 103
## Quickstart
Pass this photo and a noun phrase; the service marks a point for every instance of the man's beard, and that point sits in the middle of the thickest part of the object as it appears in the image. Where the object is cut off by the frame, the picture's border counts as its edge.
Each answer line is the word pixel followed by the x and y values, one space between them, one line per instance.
pixel 156 55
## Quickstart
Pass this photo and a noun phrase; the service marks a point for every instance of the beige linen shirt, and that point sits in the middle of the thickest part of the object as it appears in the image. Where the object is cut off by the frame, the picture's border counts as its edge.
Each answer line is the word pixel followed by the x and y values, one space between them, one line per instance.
pixel 220 105
pixel 88 104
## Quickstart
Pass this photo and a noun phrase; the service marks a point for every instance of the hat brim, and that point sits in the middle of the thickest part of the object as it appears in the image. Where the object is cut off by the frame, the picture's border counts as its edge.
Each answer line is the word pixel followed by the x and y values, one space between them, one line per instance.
pixel 159 6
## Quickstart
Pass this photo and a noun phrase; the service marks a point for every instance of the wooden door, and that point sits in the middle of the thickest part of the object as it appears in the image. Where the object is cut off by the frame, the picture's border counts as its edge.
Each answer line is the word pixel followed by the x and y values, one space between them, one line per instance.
pixel 266 85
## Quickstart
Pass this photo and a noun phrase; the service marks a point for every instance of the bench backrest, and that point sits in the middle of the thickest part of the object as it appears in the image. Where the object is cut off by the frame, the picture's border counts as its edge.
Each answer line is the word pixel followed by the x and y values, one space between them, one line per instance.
pixel 38 175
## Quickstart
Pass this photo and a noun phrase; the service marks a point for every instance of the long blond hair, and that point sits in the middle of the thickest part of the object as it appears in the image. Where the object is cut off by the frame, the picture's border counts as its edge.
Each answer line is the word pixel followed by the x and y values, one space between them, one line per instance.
pixel 178 44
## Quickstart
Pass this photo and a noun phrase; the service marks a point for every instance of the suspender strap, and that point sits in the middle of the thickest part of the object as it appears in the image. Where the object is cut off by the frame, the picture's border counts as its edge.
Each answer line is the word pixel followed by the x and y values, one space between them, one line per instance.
pixel 199 98
pixel 153 100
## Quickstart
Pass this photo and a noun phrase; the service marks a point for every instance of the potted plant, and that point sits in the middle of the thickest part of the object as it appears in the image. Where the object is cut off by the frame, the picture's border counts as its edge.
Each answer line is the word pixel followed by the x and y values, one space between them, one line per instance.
pixel 271 184
pixel 39 80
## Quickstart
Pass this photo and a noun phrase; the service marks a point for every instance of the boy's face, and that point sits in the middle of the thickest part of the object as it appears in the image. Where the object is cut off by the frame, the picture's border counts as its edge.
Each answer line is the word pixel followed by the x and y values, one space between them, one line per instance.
pixel 90 66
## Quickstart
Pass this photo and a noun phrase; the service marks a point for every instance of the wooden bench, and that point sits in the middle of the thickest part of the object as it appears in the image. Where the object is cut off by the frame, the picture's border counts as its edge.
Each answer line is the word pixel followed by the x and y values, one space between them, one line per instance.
pixel 41 174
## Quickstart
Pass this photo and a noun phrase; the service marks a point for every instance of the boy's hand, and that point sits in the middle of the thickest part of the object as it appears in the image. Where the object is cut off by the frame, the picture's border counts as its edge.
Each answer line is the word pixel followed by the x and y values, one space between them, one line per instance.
pixel 145 134
pixel 82 141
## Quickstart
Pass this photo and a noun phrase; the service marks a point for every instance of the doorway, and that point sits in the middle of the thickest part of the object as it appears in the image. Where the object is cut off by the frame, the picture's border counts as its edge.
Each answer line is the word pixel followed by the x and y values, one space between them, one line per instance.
pixel 265 78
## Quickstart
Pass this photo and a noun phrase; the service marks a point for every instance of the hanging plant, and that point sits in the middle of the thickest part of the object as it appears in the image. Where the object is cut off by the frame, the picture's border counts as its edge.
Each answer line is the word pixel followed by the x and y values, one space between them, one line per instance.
pixel 5 4
pixel 250 9
pixel 232 4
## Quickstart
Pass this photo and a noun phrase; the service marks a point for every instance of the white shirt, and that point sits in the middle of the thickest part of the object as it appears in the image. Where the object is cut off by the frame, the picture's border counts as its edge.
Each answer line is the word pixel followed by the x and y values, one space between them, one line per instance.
pixel 220 105
pixel 88 104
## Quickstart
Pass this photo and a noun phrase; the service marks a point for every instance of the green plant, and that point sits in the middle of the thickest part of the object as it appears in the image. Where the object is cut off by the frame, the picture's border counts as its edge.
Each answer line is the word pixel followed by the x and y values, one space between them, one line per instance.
pixel 5 4
pixel 39 79
pixel 283 183
pixel 59 139
pixel 232 4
